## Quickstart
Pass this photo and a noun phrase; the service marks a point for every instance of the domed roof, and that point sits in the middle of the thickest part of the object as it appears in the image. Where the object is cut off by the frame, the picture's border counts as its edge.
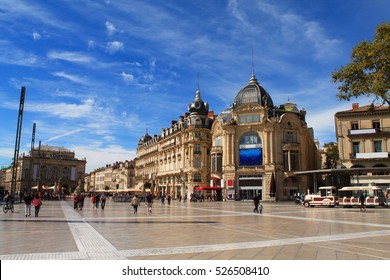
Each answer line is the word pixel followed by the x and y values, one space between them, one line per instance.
pixel 253 93
pixel 198 106
pixel 292 107
pixel 145 138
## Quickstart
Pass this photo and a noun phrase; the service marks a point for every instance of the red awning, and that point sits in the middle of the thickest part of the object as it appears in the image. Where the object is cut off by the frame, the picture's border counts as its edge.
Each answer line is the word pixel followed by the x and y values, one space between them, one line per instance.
pixel 208 188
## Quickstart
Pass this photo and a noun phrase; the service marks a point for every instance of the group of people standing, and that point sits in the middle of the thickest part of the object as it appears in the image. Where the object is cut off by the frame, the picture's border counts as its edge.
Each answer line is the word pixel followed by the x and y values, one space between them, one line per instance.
pixel 97 199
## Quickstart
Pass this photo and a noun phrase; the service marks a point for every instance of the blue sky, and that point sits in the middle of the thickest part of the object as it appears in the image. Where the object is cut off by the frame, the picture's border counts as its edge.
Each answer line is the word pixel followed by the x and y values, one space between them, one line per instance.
pixel 98 74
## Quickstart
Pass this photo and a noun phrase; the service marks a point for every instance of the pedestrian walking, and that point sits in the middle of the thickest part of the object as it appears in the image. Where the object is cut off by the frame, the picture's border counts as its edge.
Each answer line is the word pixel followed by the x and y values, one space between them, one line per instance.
pixel 81 201
pixel 162 200
pixel 149 202
pixel 93 200
pixel 135 203
pixel 169 198
pixel 103 198
pixel 28 198
pixel 75 201
pixel 256 200
pixel 261 208
pixel 362 200
pixel 97 199
pixel 37 202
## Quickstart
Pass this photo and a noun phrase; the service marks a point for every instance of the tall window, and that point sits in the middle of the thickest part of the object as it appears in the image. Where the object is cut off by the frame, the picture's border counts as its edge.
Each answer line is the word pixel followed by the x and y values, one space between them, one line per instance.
pixel 376 125
pixel 377 146
pixel 54 173
pixel 354 125
pixel 291 160
pixel 216 163
pixel 43 171
pixel 65 173
pixel 197 149
pixel 355 148
pixel 294 160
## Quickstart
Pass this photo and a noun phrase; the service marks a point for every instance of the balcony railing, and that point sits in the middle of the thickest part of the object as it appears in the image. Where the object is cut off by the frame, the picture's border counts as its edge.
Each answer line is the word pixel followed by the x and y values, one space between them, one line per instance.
pixel 377 155
pixel 370 131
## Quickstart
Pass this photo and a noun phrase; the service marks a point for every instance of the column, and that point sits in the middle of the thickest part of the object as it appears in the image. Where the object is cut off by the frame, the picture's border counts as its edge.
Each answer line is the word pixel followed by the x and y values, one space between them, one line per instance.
pixel 233 149
pixel 224 149
pixel 271 147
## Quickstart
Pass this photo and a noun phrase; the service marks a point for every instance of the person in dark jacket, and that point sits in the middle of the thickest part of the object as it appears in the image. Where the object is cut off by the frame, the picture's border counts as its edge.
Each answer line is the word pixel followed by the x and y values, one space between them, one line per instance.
pixel 28 198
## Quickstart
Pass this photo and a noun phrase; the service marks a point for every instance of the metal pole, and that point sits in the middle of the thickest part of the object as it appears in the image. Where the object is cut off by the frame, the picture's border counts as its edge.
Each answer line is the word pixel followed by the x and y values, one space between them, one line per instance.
pixel 17 142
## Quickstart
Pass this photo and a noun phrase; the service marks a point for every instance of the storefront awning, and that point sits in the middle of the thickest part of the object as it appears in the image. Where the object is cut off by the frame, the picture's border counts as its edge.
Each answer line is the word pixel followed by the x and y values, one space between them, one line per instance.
pixel 208 188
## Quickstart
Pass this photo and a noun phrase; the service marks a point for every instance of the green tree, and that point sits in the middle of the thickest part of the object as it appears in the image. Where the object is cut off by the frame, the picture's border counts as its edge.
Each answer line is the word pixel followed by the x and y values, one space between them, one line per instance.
pixel 368 73
pixel 332 156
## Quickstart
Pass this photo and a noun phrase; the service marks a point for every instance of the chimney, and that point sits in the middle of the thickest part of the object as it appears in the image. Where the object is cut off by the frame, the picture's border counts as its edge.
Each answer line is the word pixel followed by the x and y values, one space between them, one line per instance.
pixel 355 106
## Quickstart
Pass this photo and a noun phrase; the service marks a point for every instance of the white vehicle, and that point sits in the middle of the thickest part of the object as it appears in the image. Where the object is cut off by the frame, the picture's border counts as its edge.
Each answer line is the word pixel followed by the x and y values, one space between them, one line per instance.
pixel 349 196
pixel 326 197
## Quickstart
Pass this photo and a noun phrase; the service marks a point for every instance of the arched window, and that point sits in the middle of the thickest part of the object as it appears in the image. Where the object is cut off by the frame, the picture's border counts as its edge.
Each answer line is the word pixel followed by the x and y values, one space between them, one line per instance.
pixel 43 172
pixel 65 173
pixel 251 149
pixel 54 173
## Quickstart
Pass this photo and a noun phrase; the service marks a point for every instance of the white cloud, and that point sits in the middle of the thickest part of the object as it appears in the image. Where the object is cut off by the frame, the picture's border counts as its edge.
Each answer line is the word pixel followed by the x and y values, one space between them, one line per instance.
pixel 73 78
pixel 64 134
pixel 77 57
pixel 113 47
pixel 127 78
pixel 295 30
pixel 111 30
pixel 91 44
pixel 32 11
pixel 10 54
pixel 36 36
pixel 238 13
pixel 67 111
pixel 98 156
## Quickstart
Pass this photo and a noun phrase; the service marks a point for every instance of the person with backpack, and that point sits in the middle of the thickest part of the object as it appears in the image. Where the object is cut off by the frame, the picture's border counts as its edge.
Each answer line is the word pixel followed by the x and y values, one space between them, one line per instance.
pixel 135 202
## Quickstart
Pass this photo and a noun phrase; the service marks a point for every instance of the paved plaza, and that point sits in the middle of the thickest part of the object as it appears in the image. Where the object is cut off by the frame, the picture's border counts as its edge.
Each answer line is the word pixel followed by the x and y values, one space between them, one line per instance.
pixel 195 231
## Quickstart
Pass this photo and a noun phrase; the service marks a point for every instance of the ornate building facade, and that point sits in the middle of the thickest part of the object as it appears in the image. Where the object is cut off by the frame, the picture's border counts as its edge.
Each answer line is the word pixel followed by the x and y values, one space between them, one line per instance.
pixel 178 160
pixel 251 148
pixel 256 147
pixel 48 167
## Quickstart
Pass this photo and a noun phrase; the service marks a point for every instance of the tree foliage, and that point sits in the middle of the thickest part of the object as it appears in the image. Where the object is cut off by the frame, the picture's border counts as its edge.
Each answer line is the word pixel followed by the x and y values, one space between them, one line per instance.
pixel 332 157
pixel 368 73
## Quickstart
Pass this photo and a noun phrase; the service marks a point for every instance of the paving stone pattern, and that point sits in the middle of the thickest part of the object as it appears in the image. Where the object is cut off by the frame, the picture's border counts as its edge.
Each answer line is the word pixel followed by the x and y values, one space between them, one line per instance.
pixel 196 231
